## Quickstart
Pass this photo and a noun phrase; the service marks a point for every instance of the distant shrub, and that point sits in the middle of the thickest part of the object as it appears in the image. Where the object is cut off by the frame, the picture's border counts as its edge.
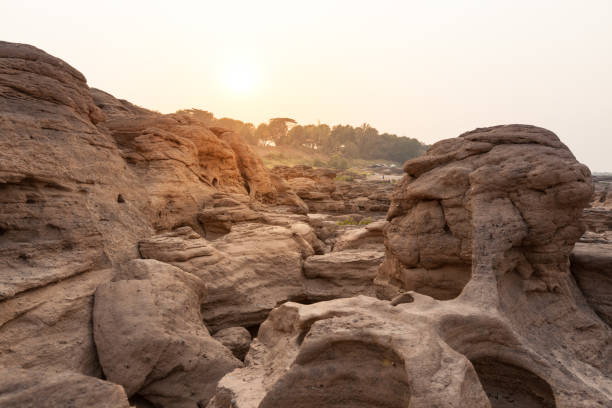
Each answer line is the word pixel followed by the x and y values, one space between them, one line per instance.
pixel 348 221
pixel 338 162
pixel 344 177
pixel 318 163
pixel 365 221
pixel 276 156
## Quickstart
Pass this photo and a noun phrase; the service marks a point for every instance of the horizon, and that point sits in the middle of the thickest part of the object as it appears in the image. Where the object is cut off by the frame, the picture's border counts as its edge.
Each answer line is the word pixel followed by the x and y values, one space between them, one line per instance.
pixel 412 69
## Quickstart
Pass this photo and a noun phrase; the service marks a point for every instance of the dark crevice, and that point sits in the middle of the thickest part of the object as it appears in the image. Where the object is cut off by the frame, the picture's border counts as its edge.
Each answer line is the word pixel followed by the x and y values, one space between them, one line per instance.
pixel 254 330
pixel 510 386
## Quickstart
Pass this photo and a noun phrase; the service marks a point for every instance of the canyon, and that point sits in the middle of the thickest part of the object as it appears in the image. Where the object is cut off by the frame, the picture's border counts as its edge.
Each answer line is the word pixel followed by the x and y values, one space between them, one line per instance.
pixel 150 260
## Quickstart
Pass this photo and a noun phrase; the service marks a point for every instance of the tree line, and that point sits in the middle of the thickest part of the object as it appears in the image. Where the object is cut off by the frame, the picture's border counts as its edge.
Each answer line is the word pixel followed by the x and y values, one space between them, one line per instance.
pixel 361 142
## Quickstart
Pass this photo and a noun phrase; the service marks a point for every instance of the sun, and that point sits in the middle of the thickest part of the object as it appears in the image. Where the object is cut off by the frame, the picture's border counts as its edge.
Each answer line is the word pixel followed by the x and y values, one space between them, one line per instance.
pixel 241 79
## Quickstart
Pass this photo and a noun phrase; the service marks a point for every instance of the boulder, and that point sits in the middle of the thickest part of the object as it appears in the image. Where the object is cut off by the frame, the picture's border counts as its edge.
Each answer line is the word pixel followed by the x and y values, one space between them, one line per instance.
pixel 368 237
pixel 248 271
pixel 50 328
pixel 341 274
pixel 150 337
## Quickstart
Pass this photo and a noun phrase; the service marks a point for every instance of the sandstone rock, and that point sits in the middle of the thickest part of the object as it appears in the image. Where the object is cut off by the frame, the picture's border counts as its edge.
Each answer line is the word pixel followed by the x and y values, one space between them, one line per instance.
pixel 285 196
pixel 421 353
pixel 237 339
pixel 324 228
pixel 60 177
pixel 357 352
pixel 42 389
pixel 248 271
pixel 323 194
pixel 314 186
pixel 485 224
pixel 598 219
pixel 256 267
pixel 224 211
pixel 592 268
pixel 602 196
pixel 50 328
pixel 520 179
pixel 367 195
pixel 368 237
pixel 78 192
pixel 150 337
pixel 341 274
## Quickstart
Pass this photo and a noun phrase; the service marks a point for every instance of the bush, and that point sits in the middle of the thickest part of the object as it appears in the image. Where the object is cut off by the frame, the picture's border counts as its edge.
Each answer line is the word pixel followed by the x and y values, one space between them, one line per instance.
pixel 318 163
pixel 338 162
pixel 365 221
pixel 348 221
pixel 344 177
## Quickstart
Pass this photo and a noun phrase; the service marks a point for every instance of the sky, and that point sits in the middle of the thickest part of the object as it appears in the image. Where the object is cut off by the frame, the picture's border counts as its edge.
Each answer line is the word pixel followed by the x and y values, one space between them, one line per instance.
pixel 425 69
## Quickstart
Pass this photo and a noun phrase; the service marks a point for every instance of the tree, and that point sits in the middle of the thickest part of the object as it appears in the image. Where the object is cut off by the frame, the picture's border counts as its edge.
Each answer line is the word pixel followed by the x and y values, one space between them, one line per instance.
pixel 262 133
pixel 279 129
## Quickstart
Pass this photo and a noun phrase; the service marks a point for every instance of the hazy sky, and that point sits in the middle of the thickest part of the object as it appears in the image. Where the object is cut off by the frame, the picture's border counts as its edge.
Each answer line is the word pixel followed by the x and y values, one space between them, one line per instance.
pixel 425 69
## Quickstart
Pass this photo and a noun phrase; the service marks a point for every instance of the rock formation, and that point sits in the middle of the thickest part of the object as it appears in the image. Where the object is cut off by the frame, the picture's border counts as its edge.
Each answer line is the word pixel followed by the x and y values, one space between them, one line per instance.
pixel 85 178
pixel 150 337
pixel 141 252
pixel 323 194
pixel 480 231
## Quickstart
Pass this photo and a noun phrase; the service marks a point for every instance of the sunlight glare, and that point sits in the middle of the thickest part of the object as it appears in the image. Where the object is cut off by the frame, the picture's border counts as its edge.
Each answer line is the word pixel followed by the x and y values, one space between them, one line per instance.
pixel 240 80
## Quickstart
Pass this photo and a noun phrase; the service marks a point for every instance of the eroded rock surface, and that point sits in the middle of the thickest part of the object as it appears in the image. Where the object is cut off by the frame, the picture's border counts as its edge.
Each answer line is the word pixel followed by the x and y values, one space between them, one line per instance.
pixel 248 272
pixel 341 274
pixel 83 178
pixel 50 389
pixel 592 268
pixel 482 226
pixel 508 198
pixel 150 337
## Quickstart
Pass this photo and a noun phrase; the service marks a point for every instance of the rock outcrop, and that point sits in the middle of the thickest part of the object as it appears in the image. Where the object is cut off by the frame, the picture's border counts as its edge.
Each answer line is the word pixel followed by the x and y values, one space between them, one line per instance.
pixel 256 267
pixel 315 186
pixel 322 193
pixel 83 178
pixel 478 242
pixel 49 389
pixel 126 235
pixel 511 195
pixel 365 195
